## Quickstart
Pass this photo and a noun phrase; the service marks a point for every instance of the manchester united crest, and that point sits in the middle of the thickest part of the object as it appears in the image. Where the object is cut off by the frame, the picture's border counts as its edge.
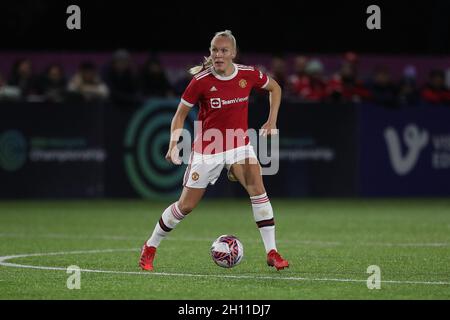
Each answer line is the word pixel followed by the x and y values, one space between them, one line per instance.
pixel 195 176
pixel 242 83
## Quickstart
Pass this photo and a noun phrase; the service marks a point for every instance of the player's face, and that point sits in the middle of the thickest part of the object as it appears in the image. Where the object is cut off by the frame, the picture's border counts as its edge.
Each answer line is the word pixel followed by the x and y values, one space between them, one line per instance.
pixel 222 54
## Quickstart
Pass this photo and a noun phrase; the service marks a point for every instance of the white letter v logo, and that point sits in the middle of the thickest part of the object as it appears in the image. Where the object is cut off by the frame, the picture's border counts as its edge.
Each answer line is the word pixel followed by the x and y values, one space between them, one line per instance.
pixel 414 140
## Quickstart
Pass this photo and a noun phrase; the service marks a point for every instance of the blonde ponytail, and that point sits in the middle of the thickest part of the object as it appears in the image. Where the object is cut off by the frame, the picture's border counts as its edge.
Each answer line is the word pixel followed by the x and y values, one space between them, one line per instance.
pixel 208 61
pixel 206 64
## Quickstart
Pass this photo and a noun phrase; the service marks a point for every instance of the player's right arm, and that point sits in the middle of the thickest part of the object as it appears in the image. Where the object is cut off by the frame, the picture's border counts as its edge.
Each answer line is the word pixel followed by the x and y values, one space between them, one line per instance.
pixel 175 131
pixel 189 98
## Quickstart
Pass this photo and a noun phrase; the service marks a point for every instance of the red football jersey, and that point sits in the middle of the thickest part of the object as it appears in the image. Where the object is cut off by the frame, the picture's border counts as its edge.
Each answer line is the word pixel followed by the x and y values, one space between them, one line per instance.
pixel 223 104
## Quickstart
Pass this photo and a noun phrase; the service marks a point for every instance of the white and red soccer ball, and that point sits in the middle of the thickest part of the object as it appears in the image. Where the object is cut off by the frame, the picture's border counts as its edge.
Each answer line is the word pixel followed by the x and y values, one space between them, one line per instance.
pixel 227 251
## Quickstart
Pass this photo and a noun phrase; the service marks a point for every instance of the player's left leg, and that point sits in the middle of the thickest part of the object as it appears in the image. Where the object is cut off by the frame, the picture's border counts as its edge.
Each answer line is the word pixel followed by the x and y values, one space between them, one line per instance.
pixel 248 173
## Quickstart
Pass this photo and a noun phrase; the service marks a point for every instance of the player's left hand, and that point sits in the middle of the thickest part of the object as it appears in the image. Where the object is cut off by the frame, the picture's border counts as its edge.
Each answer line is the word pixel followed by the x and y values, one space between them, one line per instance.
pixel 268 129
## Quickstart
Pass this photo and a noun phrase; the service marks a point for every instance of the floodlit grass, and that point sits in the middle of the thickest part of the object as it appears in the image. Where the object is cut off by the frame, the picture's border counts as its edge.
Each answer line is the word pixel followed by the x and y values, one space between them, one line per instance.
pixel 329 243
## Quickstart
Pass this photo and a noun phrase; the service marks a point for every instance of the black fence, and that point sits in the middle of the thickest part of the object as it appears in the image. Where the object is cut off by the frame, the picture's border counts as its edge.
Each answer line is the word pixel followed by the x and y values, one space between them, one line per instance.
pixel 93 151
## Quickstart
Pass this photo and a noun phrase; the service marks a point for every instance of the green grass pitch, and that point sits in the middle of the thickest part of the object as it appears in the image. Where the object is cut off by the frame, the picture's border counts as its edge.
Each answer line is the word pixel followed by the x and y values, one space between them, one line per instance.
pixel 329 242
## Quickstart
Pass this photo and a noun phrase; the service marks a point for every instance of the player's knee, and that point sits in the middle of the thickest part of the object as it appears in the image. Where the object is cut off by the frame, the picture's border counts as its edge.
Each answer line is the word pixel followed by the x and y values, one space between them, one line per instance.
pixel 185 207
pixel 255 189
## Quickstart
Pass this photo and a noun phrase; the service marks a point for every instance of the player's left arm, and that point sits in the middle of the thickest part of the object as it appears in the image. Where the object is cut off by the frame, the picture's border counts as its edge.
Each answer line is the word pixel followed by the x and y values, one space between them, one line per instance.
pixel 270 127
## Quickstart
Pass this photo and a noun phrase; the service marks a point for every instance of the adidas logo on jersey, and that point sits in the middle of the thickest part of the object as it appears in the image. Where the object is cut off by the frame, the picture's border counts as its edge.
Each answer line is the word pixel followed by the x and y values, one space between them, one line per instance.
pixel 213 88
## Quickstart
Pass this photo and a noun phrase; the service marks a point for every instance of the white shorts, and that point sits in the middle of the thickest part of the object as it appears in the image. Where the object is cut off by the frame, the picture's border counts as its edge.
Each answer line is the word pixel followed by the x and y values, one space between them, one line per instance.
pixel 204 169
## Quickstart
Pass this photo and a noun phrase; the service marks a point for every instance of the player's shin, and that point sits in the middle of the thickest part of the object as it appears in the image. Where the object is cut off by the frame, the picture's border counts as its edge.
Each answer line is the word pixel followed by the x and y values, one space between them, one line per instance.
pixel 168 221
pixel 263 214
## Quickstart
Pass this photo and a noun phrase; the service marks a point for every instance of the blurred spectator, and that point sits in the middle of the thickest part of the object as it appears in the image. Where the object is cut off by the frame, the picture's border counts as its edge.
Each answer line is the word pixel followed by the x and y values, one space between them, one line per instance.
pixel 86 84
pixel 8 92
pixel 300 63
pixel 384 91
pixel 153 79
pixel 121 79
pixel 183 80
pixel 22 77
pixel 408 94
pixel 311 86
pixel 124 86
pixel 278 71
pixel 351 58
pixel 53 83
pixel 435 91
pixel 299 74
pixel 345 86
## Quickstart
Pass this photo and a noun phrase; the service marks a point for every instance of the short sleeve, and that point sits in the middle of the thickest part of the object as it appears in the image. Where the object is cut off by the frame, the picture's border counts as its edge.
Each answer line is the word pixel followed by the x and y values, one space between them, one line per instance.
pixel 260 79
pixel 191 95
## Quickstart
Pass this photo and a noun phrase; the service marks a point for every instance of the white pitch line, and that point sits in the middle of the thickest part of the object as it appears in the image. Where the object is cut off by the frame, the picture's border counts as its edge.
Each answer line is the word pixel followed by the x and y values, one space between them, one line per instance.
pixel 15 265
pixel 109 237
pixel 306 242
pixel 412 244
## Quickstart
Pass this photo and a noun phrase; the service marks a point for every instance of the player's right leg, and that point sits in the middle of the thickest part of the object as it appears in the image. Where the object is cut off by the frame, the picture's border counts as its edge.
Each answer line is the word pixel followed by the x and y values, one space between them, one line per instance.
pixel 201 171
pixel 170 218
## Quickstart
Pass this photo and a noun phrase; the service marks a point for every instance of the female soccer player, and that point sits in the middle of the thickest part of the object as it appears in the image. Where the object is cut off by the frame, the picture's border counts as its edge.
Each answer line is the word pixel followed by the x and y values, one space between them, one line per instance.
pixel 221 88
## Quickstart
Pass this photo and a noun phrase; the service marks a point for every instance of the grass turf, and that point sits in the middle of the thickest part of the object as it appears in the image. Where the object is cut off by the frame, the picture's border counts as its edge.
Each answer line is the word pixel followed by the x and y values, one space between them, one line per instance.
pixel 329 243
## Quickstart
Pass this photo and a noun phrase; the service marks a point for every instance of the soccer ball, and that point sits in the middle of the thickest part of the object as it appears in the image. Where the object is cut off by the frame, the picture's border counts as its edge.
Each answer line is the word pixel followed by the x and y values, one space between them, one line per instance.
pixel 227 251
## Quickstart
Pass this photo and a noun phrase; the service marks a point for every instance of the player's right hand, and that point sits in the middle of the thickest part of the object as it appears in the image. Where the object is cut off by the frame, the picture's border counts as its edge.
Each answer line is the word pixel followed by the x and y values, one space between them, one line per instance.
pixel 173 155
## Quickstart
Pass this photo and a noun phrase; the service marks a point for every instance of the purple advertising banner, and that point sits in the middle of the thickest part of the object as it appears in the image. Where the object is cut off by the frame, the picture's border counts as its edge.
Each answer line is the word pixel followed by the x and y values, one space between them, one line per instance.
pixel 404 152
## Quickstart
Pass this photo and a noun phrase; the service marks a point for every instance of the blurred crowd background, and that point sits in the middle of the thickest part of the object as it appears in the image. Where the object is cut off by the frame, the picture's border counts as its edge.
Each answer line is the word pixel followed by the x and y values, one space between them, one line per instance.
pixel 120 78
pixel 366 110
